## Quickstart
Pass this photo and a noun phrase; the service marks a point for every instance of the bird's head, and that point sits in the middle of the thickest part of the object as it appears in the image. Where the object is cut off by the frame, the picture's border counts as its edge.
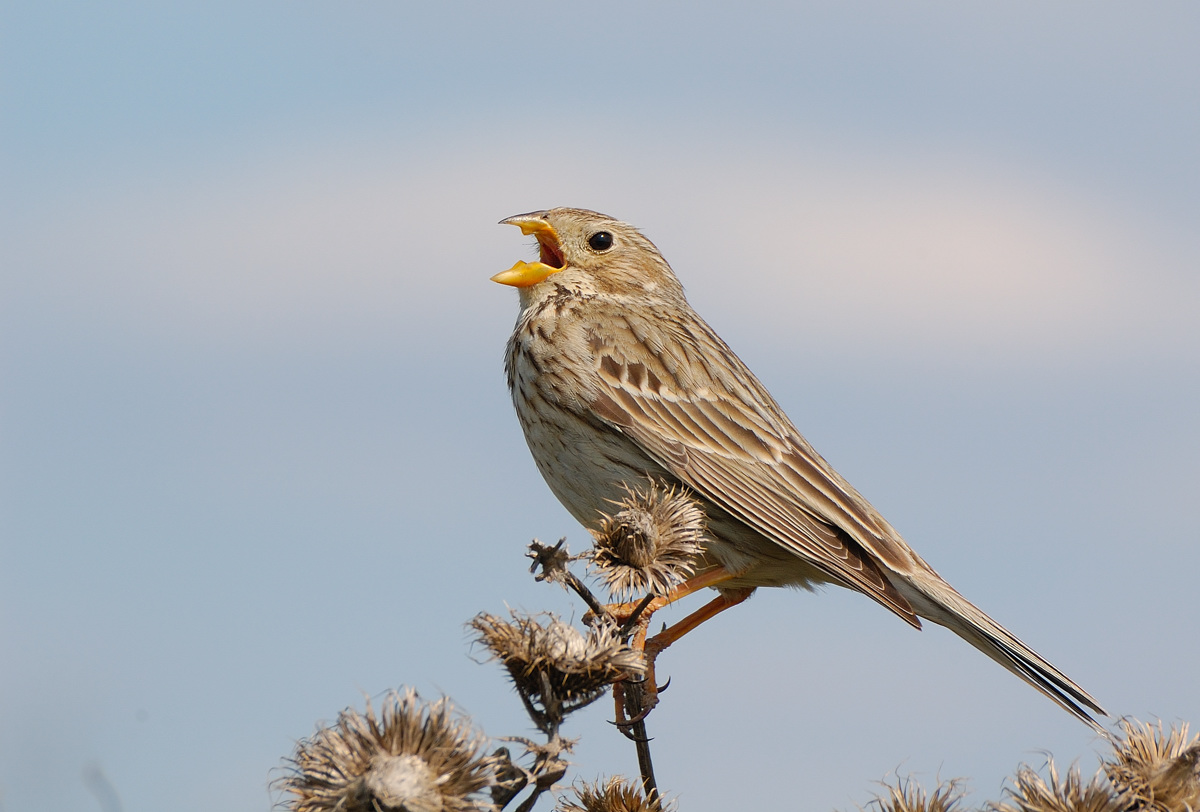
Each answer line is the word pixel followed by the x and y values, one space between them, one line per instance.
pixel 590 252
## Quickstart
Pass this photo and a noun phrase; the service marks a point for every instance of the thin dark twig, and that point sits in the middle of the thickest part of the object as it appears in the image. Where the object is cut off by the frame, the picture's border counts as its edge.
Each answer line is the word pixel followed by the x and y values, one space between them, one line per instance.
pixel 554 562
pixel 641 739
pixel 582 591
pixel 552 705
pixel 528 803
pixel 645 765
pixel 637 613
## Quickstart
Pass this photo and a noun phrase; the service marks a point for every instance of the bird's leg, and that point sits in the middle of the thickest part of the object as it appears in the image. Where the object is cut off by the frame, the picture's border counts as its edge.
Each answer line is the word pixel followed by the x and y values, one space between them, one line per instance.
pixel 658 643
pixel 646 696
pixel 640 612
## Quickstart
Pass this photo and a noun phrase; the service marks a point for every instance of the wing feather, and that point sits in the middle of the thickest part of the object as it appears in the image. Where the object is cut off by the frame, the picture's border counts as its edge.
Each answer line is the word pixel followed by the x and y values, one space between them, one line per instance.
pixel 728 441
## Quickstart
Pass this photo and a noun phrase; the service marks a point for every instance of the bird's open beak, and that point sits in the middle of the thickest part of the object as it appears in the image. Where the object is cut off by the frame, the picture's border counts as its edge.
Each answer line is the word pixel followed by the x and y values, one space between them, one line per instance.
pixel 524 274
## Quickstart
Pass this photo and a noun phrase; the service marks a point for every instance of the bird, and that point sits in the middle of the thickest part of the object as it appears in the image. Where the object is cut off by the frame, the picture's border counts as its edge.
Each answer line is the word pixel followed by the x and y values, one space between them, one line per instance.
pixel 617 382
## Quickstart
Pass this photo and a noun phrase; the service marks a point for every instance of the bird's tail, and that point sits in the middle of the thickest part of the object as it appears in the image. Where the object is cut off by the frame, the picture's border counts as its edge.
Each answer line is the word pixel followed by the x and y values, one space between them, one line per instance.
pixel 936 600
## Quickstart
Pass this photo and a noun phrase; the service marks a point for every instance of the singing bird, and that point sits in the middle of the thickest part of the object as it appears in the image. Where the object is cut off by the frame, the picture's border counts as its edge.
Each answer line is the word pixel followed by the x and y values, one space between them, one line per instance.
pixel 618 383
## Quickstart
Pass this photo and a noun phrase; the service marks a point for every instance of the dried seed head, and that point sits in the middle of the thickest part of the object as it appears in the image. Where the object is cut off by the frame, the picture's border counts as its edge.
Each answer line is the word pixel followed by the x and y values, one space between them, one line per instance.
pixel 1156 771
pixel 555 668
pixel 553 562
pixel 412 757
pixel 1033 794
pixel 651 542
pixel 617 795
pixel 909 796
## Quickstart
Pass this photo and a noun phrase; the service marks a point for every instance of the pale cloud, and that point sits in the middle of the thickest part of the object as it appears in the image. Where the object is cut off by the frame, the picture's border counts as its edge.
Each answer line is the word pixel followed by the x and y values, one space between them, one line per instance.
pixel 847 247
pixel 960 258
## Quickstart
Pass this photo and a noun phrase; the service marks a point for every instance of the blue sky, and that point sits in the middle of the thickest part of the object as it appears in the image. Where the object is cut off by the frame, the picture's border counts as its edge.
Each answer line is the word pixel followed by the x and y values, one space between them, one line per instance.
pixel 258 460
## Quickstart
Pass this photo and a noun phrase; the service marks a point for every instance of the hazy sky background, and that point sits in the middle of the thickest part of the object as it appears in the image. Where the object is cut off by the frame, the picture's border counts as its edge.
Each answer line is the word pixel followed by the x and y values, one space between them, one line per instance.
pixel 259 460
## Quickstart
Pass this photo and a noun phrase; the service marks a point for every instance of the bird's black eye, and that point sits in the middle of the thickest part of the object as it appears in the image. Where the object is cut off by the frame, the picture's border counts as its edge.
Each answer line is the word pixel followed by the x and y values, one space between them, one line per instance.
pixel 600 241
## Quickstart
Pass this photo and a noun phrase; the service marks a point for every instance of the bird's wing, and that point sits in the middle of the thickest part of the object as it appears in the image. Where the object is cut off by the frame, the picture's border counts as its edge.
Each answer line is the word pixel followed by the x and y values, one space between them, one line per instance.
pixel 691 405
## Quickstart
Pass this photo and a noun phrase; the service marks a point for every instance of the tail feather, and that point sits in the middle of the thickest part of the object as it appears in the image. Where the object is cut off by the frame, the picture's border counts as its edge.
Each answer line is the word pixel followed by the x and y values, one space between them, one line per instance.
pixel 937 601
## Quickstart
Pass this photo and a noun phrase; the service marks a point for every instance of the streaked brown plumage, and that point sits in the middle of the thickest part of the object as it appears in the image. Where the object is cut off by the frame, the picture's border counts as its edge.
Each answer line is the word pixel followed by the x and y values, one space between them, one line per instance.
pixel 618 382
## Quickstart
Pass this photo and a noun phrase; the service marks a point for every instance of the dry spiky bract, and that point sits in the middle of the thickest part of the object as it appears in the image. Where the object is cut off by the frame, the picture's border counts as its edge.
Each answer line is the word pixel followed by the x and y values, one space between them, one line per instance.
pixel 1156 771
pixel 617 795
pixel 412 757
pixel 909 796
pixel 556 668
pixel 1070 794
pixel 551 561
pixel 651 543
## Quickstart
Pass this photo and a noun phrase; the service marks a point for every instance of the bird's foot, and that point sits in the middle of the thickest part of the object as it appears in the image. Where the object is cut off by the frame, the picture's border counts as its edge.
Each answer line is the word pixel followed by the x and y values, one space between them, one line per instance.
pixel 634 701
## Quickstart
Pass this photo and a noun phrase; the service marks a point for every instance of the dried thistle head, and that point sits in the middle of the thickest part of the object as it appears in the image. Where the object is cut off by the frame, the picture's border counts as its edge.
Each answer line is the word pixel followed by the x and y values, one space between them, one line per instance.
pixel 553 562
pixel 411 757
pixel 555 667
pixel 1156 771
pixel 1033 794
pixel 909 796
pixel 616 795
pixel 651 543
